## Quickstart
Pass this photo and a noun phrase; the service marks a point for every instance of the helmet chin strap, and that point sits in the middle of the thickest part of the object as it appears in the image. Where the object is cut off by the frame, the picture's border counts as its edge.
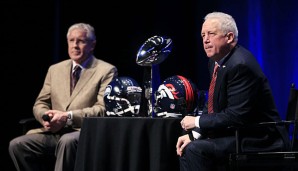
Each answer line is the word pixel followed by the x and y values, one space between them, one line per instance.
pixel 133 109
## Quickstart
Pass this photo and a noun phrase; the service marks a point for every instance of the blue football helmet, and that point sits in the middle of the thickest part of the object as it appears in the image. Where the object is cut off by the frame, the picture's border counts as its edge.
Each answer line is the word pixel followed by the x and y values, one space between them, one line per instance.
pixel 177 96
pixel 122 97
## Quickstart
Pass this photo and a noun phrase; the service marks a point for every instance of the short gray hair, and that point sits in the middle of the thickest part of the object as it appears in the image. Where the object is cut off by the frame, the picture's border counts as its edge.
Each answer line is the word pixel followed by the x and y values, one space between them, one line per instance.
pixel 227 22
pixel 87 27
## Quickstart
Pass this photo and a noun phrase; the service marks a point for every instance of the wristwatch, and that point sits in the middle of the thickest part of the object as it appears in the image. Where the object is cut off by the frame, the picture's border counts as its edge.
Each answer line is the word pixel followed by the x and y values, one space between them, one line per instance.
pixel 69 118
pixel 69 115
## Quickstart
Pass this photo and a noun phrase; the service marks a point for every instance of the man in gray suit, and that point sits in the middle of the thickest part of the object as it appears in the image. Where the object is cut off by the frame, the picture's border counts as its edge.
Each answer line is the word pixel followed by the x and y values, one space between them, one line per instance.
pixel 60 108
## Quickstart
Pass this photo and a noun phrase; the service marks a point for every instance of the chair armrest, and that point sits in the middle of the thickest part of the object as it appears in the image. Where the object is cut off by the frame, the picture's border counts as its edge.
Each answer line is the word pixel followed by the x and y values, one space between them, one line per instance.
pixel 264 124
pixel 258 125
pixel 29 123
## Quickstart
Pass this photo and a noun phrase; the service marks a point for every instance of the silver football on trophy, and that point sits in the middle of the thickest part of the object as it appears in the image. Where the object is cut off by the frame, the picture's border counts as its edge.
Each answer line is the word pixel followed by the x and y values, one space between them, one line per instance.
pixel 154 51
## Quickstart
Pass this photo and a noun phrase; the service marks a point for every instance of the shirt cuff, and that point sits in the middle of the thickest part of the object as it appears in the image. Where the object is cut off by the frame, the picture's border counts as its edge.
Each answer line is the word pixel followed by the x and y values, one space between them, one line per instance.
pixel 195 135
pixel 197 123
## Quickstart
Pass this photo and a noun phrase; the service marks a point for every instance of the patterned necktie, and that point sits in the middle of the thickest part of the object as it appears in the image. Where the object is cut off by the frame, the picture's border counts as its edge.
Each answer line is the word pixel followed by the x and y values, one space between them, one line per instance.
pixel 211 89
pixel 75 77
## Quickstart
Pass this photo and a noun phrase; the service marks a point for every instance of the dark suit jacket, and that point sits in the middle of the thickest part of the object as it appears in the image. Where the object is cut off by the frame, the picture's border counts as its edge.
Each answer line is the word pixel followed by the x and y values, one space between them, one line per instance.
pixel 87 97
pixel 243 96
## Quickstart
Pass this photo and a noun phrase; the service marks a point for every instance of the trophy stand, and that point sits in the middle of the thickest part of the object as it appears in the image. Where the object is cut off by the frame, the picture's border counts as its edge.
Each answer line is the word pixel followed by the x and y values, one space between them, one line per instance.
pixel 151 81
pixel 154 51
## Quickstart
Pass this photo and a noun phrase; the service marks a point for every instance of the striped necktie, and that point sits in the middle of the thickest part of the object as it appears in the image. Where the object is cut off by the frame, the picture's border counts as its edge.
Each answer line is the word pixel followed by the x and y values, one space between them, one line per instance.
pixel 75 77
pixel 211 89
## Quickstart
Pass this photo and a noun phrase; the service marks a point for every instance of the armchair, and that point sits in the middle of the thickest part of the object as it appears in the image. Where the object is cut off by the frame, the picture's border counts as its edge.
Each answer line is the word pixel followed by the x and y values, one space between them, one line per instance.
pixel 283 160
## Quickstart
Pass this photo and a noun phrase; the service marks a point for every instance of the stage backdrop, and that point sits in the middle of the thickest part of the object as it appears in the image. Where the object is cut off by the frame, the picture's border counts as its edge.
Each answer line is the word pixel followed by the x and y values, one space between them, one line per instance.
pixel 269 28
pixel 34 37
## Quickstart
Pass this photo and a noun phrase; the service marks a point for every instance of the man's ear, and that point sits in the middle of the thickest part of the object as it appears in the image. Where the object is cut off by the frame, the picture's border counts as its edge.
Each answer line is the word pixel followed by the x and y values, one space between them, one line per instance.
pixel 230 37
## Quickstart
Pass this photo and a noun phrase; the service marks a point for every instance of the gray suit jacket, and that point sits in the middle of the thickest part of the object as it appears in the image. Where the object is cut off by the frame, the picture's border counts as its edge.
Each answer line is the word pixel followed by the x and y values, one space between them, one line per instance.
pixel 87 97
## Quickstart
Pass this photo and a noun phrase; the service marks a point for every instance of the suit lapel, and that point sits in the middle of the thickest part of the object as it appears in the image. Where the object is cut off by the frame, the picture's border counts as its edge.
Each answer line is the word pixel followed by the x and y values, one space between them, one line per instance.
pixel 220 75
pixel 84 78
pixel 64 83
pixel 219 83
pixel 217 88
pixel 86 75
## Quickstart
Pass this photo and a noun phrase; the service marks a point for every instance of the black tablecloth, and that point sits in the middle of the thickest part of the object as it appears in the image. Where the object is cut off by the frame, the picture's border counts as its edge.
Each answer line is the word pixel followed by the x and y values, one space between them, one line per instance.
pixel 128 144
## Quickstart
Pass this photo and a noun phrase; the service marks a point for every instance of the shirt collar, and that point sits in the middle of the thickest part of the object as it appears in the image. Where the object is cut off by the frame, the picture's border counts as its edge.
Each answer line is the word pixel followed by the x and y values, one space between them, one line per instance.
pixel 83 65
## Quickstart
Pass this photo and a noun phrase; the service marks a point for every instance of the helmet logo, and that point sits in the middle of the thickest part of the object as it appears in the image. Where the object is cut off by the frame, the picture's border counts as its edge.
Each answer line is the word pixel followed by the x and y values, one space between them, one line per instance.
pixel 173 90
pixel 108 90
pixel 164 92
pixel 133 89
pixel 172 106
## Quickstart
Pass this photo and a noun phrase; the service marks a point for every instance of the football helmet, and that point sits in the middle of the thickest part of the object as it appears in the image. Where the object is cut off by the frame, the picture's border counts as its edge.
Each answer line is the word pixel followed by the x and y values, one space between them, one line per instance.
pixel 177 96
pixel 122 97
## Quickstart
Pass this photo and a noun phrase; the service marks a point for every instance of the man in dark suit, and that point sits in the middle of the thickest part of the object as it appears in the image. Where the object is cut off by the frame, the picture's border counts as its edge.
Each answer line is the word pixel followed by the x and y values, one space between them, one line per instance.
pixel 242 96
pixel 64 106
